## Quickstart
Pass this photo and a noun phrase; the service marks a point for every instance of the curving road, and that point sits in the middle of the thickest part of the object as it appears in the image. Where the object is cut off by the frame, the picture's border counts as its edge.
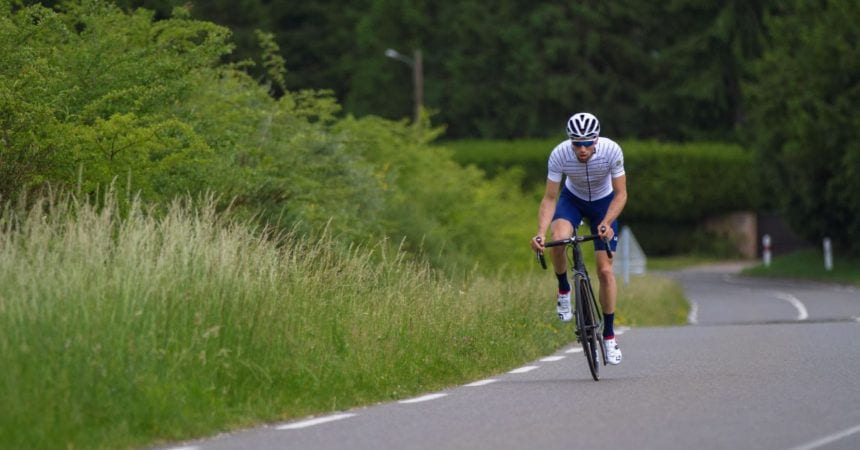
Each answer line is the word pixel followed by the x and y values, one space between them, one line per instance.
pixel 763 364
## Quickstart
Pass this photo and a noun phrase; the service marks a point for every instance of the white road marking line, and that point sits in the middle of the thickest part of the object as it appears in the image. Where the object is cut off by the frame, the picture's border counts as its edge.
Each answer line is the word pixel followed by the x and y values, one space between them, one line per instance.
pixel 312 422
pixel 621 330
pixel 828 439
pixel 552 358
pixel 524 369
pixel 423 398
pixel 857 319
pixel 798 305
pixel 481 383
pixel 574 350
pixel 693 316
pixel 183 448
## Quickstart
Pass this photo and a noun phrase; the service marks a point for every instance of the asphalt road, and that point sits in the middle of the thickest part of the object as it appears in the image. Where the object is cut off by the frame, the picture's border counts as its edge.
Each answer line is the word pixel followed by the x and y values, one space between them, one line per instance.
pixel 763 365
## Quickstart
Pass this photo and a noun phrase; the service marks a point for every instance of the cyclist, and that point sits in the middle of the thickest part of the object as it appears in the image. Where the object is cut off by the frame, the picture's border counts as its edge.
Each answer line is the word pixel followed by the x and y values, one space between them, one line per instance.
pixel 595 189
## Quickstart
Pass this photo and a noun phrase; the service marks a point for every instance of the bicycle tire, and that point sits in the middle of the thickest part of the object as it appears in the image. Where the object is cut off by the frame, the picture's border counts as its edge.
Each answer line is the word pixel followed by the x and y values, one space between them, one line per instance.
pixel 587 326
pixel 598 320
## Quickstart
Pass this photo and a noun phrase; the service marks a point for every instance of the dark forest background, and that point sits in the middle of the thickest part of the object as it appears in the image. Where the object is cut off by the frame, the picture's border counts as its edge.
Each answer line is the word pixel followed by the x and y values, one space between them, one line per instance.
pixel 778 77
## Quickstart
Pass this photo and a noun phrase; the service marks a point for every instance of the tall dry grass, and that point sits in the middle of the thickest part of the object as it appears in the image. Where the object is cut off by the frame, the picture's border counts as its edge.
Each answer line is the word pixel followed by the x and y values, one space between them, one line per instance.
pixel 122 326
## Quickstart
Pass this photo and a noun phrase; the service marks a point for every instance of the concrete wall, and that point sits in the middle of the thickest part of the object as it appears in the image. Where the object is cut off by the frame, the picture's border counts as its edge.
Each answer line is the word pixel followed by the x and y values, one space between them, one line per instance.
pixel 741 228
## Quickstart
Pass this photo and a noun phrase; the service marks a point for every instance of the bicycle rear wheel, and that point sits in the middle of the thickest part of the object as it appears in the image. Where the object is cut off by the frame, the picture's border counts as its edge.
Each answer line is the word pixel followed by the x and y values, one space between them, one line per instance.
pixel 587 325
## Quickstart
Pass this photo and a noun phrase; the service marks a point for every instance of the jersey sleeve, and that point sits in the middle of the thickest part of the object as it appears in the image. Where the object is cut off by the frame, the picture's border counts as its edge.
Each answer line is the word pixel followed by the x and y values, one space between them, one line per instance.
pixel 554 167
pixel 616 163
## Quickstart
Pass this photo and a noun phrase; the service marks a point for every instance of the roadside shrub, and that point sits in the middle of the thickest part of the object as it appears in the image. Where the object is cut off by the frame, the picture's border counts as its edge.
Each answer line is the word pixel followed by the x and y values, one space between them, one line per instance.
pixel 688 182
pixel 97 97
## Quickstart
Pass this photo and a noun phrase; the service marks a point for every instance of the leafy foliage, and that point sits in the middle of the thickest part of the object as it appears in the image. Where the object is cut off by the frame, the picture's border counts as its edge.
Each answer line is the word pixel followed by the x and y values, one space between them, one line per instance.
pixel 807 130
pixel 85 95
pixel 514 69
pixel 95 96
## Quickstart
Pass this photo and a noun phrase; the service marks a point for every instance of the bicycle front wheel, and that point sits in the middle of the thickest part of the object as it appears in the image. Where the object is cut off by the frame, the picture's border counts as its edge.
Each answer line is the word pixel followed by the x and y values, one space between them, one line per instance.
pixel 588 325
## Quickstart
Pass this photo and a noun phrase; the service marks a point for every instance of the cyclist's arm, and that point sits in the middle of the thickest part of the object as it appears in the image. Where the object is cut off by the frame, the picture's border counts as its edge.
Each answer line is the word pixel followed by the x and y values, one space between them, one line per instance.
pixel 547 207
pixel 619 187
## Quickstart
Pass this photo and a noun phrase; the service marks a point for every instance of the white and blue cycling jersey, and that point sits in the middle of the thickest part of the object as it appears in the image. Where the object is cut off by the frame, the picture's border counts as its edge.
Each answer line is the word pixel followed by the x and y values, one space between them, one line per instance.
pixel 590 180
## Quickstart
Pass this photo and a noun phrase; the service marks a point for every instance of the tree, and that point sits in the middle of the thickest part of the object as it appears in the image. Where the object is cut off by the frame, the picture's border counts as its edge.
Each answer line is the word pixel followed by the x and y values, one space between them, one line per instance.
pixel 701 61
pixel 804 123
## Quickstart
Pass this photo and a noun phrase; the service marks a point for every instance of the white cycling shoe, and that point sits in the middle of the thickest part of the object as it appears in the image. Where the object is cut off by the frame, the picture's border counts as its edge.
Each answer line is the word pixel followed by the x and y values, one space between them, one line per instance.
pixel 613 353
pixel 563 307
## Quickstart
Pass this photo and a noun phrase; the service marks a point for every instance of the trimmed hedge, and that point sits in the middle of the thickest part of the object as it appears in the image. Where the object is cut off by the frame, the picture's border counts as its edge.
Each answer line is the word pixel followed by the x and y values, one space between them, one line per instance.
pixel 678 183
pixel 672 187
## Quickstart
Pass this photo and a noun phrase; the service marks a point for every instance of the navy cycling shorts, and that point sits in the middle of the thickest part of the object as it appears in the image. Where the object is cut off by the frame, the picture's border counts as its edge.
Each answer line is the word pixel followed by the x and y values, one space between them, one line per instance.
pixel 574 209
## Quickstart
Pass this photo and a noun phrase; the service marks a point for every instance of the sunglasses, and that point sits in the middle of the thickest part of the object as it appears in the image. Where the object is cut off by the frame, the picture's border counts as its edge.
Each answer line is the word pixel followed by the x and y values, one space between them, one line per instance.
pixel 583 143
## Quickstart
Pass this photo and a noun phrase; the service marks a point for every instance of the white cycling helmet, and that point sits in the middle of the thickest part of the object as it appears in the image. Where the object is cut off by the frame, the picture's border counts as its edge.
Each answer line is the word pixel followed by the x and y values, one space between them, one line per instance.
pixel 583 127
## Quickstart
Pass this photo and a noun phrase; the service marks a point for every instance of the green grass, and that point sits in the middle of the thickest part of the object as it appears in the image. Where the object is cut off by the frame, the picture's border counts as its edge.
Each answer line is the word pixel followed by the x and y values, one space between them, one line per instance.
pixel 651 300
pixel 121 330
pixel 680 262
pixel 648 300
pixel 809 264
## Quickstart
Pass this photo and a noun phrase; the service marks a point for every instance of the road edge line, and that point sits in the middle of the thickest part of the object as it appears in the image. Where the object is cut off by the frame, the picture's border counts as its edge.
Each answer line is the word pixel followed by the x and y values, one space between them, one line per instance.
pixel 828 439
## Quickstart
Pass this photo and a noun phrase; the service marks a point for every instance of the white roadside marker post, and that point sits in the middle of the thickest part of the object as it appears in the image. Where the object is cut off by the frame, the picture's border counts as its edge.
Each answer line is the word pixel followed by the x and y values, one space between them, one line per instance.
pixel 765 252
pixel 828 254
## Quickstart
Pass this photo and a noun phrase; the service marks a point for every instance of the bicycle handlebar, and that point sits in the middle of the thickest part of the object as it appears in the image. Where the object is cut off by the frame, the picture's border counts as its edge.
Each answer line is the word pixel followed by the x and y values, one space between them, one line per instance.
pixel 579 240
pixel 575 240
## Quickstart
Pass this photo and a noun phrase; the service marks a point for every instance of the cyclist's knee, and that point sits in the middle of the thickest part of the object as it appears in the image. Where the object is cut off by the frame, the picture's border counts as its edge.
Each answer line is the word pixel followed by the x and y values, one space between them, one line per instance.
pixel 561 229
pixel 604 271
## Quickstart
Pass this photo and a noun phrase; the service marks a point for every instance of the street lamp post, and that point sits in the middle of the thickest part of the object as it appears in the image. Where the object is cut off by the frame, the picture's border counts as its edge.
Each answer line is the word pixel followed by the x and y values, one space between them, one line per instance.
pixel 417 76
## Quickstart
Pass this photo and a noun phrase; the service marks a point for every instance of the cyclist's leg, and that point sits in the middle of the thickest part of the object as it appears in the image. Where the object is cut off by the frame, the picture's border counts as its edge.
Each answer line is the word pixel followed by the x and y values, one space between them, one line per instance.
pixel 567 215
pixel 561 229
pixel 608 288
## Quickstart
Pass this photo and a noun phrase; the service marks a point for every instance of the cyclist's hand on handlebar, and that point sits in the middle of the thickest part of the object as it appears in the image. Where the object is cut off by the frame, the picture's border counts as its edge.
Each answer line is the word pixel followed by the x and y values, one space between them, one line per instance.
pixel 537 244
pixel 605 232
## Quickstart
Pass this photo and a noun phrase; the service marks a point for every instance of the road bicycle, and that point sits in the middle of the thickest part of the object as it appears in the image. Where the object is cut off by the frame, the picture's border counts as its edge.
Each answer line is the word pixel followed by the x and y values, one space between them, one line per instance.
pixel 588 318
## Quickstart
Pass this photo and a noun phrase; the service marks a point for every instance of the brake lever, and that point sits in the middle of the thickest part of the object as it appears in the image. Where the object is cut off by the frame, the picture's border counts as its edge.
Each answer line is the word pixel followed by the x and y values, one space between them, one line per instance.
pixel 606 242
pixel 541 259
pixel 539 255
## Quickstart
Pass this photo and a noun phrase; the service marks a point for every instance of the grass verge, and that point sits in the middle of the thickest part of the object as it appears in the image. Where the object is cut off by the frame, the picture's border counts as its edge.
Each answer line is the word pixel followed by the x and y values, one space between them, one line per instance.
pixel 651 300
pixel 809 264
pixel 127 329
pixel 681 262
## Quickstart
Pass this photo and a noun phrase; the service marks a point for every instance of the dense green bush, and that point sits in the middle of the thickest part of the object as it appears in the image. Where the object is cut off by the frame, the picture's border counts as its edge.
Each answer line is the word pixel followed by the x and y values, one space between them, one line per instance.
pixel 497 156
pixel 93 96
pixel 688 182
pixel 86 97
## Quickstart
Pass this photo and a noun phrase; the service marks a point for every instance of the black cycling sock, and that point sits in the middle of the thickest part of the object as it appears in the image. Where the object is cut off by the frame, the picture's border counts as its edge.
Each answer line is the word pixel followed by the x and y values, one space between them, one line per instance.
pixel 563 284
pixel 608 332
